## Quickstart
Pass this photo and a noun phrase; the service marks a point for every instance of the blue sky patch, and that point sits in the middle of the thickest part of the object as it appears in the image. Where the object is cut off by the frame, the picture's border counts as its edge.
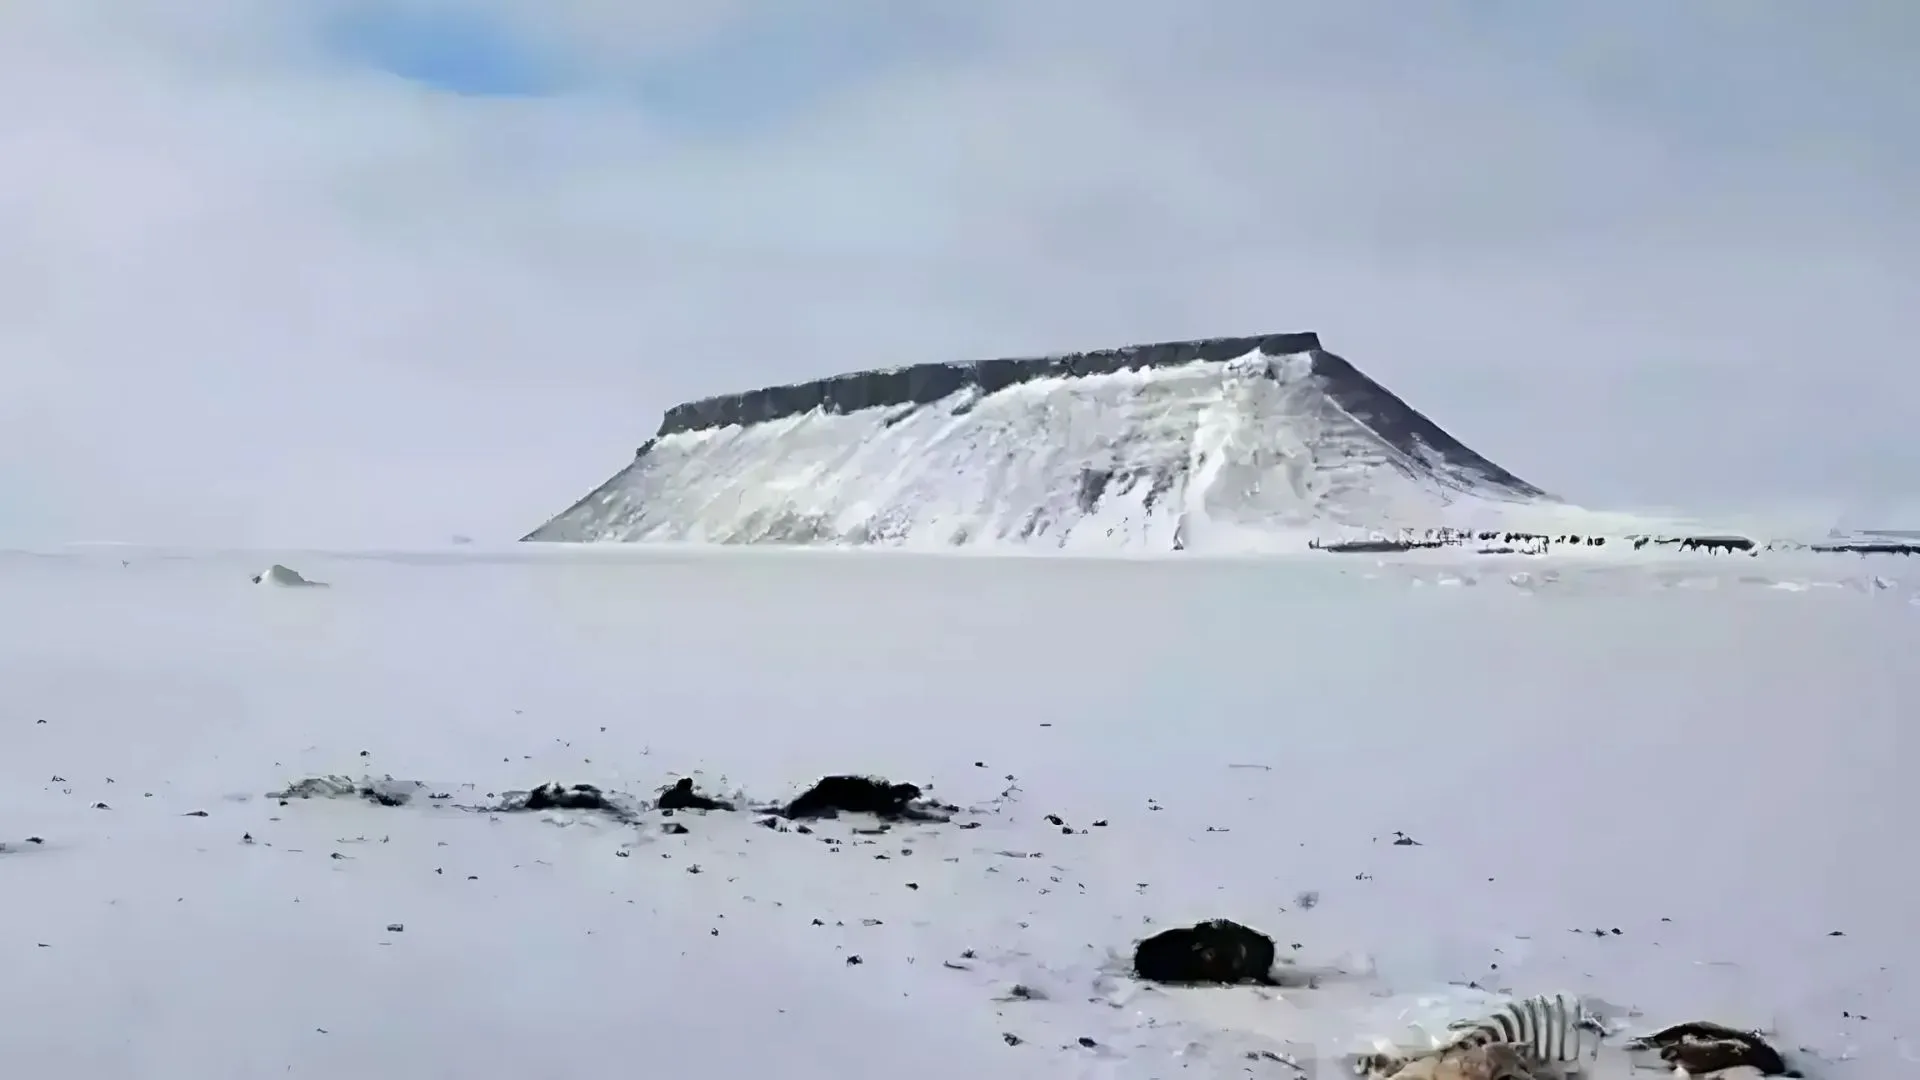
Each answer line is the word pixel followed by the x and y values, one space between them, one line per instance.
pixel 754 74
pixel 459 53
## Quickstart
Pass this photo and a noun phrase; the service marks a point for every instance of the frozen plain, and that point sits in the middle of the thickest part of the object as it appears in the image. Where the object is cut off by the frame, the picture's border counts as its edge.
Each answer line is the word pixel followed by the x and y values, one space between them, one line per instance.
pixel 1706 753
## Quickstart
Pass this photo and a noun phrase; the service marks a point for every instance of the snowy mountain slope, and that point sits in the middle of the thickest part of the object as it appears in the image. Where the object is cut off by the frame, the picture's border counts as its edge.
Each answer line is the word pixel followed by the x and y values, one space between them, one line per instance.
pixel 1708 763
pixel 1226 442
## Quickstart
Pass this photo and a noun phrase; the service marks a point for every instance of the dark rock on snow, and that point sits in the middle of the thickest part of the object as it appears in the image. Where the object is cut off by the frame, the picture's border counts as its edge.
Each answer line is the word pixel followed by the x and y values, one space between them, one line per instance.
pixel 557 797
pixel 1216 951
pixel 681 796
pixel 1703 1047
pixel 835 795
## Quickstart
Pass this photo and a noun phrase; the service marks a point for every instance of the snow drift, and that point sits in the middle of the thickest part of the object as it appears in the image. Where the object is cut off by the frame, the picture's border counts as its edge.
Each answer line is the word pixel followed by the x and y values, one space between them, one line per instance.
pixel 286 578
pixel 1160 446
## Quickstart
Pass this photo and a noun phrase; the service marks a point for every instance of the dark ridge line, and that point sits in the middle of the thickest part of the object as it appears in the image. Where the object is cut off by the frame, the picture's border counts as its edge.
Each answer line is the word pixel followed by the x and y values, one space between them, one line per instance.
pixel 1864 549
pixel 1448 538
pixel 924 384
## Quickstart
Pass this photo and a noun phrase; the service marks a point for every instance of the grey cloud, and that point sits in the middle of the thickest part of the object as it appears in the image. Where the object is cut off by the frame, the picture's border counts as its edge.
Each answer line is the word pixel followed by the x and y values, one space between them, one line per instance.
pixel 1640 253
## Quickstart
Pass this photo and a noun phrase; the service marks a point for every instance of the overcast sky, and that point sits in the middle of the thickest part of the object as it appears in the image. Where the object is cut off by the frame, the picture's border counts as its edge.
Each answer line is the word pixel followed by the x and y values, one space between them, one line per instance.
pixel 380 271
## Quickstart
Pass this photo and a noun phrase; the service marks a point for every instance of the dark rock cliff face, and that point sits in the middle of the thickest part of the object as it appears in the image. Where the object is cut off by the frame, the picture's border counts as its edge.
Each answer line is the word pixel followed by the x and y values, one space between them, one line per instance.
pixel 924 384
pixel 1399 428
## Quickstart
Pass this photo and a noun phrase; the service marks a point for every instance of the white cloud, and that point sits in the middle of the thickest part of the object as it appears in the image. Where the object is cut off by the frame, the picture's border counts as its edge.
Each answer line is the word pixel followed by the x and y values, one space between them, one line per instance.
pixel 253 290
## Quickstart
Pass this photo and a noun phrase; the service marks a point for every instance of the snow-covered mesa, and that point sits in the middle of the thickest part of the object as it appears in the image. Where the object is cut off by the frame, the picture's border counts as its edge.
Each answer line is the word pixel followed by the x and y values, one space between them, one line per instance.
pixel 1210 445
pixel 1225 445
pixel 1666 784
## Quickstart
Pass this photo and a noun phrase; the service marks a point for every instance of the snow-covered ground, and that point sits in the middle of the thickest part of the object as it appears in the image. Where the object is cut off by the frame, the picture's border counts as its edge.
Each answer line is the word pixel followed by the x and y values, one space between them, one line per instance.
pixel 1676 785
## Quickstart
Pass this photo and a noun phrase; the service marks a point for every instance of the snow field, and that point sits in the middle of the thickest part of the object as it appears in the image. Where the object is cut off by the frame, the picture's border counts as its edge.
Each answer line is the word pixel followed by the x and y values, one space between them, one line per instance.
pixel 1716 772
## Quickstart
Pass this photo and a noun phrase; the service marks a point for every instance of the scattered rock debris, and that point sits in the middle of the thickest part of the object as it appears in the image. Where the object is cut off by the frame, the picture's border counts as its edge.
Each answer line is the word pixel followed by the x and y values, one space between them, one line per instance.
pixel 1283 1059
pixel 1215 952
pixel 382 791
pixel 1702 1047
pixel 830 797
pixel 1218 951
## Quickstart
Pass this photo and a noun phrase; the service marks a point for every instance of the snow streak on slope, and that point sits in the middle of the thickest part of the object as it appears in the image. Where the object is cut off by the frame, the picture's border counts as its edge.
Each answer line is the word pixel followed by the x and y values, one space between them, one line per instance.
pixel 1713 771
pixel 1221 443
